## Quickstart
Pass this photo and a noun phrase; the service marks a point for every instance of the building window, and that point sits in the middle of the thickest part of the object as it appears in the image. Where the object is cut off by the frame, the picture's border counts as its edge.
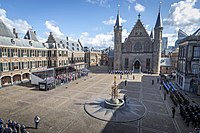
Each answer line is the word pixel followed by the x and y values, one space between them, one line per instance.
pixel 126 63
pixel 16 65
pixel 195 68
pixel 33 53
pixel 148 63
pixel 25 53
pixel 5 66
pixel 40 53
pixel 196 52
pixel 33 64
pixel 25 65
pixel 4 52
pixel 15 52
pixel 40 63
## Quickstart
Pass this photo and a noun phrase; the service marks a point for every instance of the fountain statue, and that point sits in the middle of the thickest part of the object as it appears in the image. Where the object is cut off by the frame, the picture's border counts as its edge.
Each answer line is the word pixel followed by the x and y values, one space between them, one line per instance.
pixel 115 101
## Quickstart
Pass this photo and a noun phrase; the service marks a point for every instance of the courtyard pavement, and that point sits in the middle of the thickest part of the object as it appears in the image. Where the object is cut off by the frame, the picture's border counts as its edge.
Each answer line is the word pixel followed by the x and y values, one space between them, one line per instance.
pixel 62 109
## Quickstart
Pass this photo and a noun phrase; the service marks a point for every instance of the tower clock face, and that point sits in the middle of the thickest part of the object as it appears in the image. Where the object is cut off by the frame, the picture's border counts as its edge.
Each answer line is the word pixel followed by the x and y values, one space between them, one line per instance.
pixel 138 46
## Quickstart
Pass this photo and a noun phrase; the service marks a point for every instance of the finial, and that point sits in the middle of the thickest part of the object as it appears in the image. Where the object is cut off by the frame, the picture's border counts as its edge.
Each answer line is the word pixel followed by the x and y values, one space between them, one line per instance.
pixel 139 16
pixel 160 5
pixel 118 6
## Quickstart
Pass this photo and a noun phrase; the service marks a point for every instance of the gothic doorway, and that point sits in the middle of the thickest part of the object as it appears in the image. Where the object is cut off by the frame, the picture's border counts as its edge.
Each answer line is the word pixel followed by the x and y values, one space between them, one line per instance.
pixel 137 67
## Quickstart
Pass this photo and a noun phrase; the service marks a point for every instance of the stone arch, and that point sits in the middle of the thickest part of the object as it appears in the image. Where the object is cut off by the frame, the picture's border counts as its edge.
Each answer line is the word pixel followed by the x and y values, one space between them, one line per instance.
pixel 26 76
pixel 17 78
pixel 6 80
pixel 137 66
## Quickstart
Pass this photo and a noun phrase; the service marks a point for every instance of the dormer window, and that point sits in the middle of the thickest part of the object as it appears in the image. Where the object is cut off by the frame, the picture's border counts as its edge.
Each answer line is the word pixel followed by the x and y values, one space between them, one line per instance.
pixel 30 43
pixel 58 45
pixel 13 41
pixel 63 45
pixel 61 42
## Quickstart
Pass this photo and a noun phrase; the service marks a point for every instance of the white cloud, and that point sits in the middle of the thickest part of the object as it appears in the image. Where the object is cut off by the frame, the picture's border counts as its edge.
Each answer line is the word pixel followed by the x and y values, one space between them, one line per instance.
pixel 85 34
pixel 129 7
pixel 20 25
pixel 131 1
pixel 51 26
pixel 103 3
pixel 112 21
pixel 139 8
pixel 102 40
pixel 183 15
pixel 171 38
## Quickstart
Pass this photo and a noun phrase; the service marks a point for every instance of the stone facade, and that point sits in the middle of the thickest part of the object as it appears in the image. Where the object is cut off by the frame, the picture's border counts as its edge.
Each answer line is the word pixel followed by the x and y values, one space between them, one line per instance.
pixel 20 57
pixel 188 66
pixel 139 52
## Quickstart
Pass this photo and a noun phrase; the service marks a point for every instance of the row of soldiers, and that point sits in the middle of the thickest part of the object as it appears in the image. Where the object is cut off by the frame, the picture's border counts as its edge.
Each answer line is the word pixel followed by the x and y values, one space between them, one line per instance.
pixel 120 72
pixel 190 113
pixel 12 127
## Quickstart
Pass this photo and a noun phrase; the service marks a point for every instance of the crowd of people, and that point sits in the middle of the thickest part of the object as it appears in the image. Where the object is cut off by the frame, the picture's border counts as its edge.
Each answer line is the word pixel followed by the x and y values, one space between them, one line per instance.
pixel 12 127
pixel 190 114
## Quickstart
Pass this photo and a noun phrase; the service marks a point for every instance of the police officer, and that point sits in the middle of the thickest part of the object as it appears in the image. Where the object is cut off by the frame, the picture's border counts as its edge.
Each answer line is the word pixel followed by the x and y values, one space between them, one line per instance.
pixel 125 82
pixel 36 120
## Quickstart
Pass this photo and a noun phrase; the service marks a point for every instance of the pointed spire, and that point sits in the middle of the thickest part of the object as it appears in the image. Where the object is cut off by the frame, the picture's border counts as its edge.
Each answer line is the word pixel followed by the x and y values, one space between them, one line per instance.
pixel 159 18
pixel 151 35
pixel 118 22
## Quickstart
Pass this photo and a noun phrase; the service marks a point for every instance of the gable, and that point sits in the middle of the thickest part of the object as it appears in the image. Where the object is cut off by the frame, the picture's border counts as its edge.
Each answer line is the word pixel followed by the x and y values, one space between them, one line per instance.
pixel 139 30
pixel 138 41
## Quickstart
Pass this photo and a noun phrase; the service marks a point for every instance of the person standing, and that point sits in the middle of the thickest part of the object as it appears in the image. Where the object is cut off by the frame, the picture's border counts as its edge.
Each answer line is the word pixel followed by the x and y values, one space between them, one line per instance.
pixel 152 82
pixel 165 95
pixel 36 120
pixel 125 98
pixel 125 82
pixel 173 112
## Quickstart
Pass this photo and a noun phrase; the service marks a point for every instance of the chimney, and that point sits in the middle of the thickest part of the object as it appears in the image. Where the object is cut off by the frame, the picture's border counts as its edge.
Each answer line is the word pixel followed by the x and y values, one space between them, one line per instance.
pixel 14 32
pixel 16 35
pixel 50 33
pixel 67 38
pixel 34 32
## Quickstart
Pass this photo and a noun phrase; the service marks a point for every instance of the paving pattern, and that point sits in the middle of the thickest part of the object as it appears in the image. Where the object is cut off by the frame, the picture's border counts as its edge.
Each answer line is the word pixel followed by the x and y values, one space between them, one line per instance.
pixel 62 109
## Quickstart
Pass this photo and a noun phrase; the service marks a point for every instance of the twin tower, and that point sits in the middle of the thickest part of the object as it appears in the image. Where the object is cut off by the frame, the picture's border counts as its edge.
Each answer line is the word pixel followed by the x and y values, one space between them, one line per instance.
pixel 140 51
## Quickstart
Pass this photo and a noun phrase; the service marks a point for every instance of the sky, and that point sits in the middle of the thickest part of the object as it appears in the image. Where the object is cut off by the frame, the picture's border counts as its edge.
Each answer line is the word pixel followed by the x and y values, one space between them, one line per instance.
pixel 92 21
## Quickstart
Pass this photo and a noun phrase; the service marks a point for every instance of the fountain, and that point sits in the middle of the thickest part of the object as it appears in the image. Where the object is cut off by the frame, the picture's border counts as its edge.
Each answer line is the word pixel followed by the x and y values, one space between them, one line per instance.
pixel 114 102
pixel 115 109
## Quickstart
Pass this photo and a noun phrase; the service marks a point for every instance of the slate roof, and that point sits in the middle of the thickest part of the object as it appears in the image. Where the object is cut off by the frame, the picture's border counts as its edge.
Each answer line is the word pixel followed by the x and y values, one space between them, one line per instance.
pixel 17 42
pixel 60 43
pixel 4 31
pixel 197 32
pixel 111 53
pixel 166 62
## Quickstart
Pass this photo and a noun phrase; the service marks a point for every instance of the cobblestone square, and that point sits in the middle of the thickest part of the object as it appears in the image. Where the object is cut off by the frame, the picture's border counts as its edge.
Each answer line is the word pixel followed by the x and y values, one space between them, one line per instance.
pixel 62 109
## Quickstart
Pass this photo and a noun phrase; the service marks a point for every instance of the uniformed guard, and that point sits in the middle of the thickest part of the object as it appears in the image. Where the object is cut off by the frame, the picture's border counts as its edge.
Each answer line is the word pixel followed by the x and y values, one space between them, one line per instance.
pixel 36 120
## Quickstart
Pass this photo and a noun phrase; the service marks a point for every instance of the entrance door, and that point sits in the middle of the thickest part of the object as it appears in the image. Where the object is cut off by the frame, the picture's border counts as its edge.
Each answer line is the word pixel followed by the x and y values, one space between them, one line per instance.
pixel 137 67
